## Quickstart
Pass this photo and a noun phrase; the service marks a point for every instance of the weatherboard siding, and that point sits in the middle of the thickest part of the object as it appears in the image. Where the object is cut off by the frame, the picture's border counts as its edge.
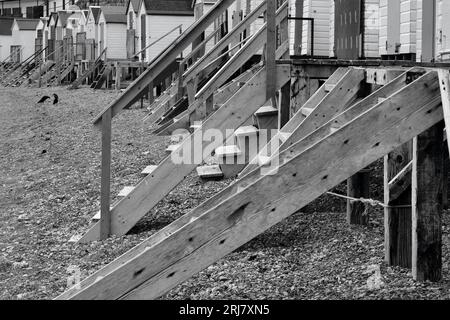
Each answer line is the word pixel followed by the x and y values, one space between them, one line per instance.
pixel 115 41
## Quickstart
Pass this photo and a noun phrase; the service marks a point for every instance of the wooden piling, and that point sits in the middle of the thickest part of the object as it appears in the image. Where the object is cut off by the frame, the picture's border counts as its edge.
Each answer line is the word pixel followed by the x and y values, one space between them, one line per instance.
pixel 397 220
pixel 358 187
pixel 427 180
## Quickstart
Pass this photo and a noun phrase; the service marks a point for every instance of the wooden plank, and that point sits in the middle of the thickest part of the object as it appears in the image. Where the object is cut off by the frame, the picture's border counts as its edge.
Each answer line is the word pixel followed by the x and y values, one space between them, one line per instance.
pixel 444 81
pixel 168 258
pixel 105 215
pixel 427 183
pixel 155 186
pixel 382 76
pixel 159 64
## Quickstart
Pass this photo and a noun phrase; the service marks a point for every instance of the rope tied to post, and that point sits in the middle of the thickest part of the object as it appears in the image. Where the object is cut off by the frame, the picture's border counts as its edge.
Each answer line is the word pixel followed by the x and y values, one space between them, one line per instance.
pixel 367 202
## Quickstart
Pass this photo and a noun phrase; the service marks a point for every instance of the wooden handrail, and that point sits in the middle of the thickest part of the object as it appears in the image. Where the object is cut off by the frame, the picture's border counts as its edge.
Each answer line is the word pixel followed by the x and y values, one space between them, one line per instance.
pixel 77 81
pixel 14 66
pixel 253 44
pixel 203 43
pixel 159 39
pixel 139 86
pixel 225 41
pixel 22 64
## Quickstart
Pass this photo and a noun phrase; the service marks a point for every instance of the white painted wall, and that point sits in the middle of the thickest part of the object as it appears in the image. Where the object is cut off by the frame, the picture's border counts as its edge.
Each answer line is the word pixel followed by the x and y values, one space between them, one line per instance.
pixel 320 11
pixel 115 39
pixel 92 31
pixel 23 38
pixel 408 26
pixel 157 26
pixel 5 47
pixel 332 28
pixel 371 28
pixel 383 33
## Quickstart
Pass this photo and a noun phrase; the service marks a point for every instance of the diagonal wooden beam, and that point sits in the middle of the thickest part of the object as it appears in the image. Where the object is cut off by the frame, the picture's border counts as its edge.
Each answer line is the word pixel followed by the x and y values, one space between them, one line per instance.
pixel 168 175
pixel 400 183
pixel 444 81
pixel 167 259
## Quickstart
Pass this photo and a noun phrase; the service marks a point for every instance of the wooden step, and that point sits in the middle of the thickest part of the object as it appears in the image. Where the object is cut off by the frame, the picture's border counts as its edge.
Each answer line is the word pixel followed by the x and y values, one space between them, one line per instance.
pixel 210 172
pixel 194 127
pixel 149 169
pixel 307 111
pixel 96 217
pixel 266 111
pixel 246 131
pixel 328 87
pixel 172 148
pixel 231 160
pixel 228 151
pixel 125 191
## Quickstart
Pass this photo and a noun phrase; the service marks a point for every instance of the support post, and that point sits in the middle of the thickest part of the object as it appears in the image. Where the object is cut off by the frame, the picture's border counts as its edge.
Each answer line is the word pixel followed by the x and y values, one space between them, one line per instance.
pixel 358 187
pixel 151 95
pixel 105 217
pixel 427 181
pixel 285 105
pixel 397 221
pixel 270 50
pixel 118 75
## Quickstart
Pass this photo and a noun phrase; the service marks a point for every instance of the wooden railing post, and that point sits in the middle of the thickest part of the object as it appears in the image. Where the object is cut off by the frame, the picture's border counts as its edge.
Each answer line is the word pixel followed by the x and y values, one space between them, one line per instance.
pixel 105 217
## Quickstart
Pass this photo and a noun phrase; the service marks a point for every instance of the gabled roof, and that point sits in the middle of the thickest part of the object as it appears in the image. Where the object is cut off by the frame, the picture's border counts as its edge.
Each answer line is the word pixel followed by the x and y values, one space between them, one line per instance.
pixel 42 22
pixel 135 4
pixel 169 7
pixel 27 24
pixel 53 16
pixel 114 14
pixel 5 26
pixel 95 11
pixel 62 17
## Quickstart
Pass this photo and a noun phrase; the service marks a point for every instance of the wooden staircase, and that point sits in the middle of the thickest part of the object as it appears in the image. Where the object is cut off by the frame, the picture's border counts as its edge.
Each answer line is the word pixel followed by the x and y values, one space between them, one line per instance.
pixel 98 63
pixel 316 156
pixel 102 76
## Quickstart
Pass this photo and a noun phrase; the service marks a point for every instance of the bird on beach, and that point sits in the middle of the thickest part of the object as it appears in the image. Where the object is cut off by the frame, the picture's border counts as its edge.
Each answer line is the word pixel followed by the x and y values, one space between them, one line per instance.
pixel 43 99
